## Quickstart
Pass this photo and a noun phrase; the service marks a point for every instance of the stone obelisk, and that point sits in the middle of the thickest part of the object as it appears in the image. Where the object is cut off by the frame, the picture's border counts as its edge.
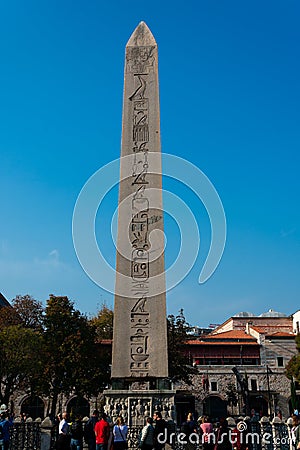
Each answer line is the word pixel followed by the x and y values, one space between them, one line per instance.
pixel 140 330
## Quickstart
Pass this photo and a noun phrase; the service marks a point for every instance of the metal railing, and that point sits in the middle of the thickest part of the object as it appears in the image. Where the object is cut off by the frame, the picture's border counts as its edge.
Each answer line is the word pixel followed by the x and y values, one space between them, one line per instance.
pixel 261 435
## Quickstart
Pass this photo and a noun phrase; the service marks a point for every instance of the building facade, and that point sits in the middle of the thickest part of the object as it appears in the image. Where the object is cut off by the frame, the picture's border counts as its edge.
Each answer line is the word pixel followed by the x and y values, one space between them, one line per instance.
pixel 241 367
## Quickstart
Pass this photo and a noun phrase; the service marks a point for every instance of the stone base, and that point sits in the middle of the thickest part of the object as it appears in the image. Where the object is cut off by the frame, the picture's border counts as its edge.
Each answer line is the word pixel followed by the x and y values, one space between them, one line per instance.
pixel 134 405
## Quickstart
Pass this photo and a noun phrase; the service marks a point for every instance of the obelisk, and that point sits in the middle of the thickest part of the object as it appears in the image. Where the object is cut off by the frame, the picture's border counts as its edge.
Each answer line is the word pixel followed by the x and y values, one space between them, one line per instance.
pixel 140 328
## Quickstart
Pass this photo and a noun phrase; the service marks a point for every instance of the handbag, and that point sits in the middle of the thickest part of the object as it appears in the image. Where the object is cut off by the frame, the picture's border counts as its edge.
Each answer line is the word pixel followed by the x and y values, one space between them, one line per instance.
pixel 124 440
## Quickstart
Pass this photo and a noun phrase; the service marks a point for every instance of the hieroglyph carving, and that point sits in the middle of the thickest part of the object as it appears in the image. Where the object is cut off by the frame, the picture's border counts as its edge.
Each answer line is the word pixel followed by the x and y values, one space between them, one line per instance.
pixel 140 61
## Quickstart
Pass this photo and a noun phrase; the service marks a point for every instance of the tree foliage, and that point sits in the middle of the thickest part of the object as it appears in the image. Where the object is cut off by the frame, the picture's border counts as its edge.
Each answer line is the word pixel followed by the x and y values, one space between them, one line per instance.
pixel 57 350
pixel 8 317
pixel 180 368
pixel 30 311
pixel 293 367
pixel 103 323
pixel 20 359
pixel 232 396
pixel 74 362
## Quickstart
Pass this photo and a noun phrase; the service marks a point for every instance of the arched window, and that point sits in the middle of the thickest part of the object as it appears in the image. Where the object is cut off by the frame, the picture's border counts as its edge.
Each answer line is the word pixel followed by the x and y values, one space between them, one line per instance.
pixel 33 406
pixel 78 406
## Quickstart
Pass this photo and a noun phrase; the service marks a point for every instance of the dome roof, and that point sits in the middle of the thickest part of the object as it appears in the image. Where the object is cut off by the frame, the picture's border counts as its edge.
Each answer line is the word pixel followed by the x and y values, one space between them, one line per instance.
pixel 244 314
pixel 272 313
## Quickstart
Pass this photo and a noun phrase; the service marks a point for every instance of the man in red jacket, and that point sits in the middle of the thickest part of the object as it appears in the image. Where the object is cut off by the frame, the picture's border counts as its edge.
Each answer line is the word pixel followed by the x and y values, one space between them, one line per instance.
pixel 102 432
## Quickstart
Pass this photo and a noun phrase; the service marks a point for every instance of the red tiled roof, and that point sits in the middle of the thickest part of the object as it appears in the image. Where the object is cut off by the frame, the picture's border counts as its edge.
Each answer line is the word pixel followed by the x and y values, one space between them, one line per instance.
pixel 280 334
pixel 233 337
pixel 196 342
pixel 269 330
pixel 232 334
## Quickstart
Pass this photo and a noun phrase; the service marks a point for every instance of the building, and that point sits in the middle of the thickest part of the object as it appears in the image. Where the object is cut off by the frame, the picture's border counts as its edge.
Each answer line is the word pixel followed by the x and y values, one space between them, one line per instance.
pixel 296 322
pixel 258 349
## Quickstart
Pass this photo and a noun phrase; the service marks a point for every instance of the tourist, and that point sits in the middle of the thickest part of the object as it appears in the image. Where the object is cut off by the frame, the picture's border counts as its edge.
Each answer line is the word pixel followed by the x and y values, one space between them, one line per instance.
pixel 120 431
pixel 102 432
pixel 76 431
pixel 146 441
pixel 223 441
pixel 160 431
pixel 64 438
pixel 89 433
pixel 207 433
pixel 239 434
pixel 295 432
pixel 5 424
pixel 188 428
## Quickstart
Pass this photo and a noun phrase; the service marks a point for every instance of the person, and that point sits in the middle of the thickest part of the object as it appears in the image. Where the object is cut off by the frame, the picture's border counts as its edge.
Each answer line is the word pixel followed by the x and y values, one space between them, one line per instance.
pixel 206 431
pixel 295 432
pixel 102 432
pixel 159 431
pixel 147 435
pixel 64 438
pixel 188 427
pixel 120 431
pixel 239 440
pixel 5 425
pixel 89 434
pixel 223 437
pixel 76 431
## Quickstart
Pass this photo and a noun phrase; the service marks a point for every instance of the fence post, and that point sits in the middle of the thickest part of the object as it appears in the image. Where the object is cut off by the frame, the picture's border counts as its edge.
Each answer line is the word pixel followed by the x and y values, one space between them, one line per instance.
pixel 46 427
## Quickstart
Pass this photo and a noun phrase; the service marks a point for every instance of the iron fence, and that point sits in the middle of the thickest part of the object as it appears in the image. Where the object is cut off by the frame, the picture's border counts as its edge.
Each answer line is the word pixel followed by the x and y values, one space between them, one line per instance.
pixel 261 435
pixel 25 435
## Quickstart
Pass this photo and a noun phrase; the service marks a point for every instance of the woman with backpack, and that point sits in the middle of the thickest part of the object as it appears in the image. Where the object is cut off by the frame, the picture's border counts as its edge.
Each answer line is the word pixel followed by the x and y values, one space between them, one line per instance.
pixel 120 431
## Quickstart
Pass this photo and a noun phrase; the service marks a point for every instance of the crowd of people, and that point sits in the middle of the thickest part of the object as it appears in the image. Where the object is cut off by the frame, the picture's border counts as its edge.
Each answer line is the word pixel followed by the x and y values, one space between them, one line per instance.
pixel 99 434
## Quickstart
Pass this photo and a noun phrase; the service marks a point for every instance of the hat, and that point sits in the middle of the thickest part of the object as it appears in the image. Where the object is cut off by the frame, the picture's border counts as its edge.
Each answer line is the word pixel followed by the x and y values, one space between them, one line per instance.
pixel 3 408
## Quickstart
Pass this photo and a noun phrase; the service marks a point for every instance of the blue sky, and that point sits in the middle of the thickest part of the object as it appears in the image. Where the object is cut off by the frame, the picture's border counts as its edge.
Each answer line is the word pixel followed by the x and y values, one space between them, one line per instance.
pixel 229 92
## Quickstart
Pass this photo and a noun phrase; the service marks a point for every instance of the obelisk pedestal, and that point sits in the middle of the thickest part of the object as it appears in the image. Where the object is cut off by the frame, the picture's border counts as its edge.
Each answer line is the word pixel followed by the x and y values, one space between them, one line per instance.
pixel 140 358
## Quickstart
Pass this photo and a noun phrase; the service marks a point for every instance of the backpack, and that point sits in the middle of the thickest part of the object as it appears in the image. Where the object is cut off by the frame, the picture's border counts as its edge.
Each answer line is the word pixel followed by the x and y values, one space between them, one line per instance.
pixel 186 429
pixel 76 430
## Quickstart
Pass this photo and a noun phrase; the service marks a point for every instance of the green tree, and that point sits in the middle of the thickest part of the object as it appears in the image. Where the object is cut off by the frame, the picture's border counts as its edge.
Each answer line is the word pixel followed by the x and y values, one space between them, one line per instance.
pixel 180 368
pixel 293 367
pixel 20 359
pixel 103 323
pixel 74 360
pixel 30 311
pixel 8 317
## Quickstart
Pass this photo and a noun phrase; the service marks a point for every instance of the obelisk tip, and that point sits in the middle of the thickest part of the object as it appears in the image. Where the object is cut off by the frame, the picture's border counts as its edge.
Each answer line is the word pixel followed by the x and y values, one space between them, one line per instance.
pixel 141 37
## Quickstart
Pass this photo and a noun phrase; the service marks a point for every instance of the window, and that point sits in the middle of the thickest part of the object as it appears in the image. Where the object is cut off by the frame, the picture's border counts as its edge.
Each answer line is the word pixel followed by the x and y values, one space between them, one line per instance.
pixel 279 361
pixel 213 386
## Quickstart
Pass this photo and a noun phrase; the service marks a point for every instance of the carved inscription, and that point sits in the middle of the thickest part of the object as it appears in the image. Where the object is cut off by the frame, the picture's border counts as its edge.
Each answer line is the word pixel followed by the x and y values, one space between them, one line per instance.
pixel 140 61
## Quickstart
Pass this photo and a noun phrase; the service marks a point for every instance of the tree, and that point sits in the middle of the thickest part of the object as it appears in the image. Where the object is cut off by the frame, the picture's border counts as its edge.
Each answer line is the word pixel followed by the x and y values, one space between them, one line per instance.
pixel 232 397
pixel 74 362
pixel 25 311
pixel 8 317
pixel 179 367
pixel 29 310
pixel 103 323
pixel 20 359
pixel 293 367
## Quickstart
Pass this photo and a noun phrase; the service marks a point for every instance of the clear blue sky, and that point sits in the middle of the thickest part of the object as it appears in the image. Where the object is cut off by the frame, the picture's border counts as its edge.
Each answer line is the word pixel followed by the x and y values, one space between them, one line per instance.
pixel 229 89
